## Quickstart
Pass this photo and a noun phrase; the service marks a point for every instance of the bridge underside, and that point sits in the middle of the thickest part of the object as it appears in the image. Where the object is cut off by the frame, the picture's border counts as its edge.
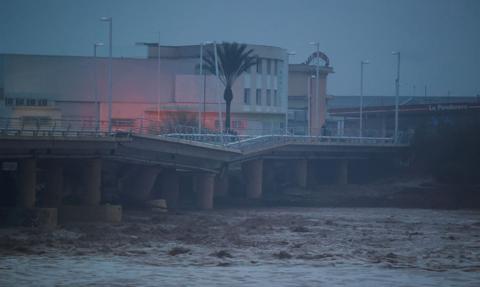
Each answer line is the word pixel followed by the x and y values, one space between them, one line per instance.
pixel 74 178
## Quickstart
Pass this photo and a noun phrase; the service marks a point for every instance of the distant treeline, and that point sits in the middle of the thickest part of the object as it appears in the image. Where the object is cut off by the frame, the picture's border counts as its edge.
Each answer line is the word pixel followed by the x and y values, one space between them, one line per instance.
pixel 449 150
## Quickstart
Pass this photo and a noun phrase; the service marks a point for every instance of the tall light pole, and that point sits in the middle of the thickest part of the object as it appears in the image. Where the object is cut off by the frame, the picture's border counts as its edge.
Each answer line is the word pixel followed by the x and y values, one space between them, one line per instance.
pixel 158 79
pixel 397 94
pixel 317 76
pixel 202 84
pixel 216 89
pixel 95 84
pixel 291 53
pixel 362 64
pixel 109 20
pixel 309 104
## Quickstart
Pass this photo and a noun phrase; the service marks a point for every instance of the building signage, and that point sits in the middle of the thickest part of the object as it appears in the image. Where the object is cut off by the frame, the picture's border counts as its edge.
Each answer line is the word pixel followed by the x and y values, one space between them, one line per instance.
pixel 447 107
pixel 316 55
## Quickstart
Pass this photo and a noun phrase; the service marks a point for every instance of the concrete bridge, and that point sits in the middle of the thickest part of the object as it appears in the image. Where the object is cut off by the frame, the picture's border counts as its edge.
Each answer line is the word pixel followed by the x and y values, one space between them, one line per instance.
pixel 90 165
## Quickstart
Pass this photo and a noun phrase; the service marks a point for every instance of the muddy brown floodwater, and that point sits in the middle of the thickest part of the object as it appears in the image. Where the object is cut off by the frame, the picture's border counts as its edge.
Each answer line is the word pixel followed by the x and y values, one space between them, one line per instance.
pixel 252 247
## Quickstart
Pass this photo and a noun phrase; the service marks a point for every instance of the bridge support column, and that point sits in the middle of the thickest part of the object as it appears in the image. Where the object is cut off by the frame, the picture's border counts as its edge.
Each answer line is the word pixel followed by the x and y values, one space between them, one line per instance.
pixel 139 182
pixel 90 209
pixel 27 182
pixel 54 185
pixel 92 178
pixel 253 174
pixel 204 186
pixel 170 187
pixel 342 171
pixel 25 213
pixel 300 172
pixel 268 179
pixel 221 185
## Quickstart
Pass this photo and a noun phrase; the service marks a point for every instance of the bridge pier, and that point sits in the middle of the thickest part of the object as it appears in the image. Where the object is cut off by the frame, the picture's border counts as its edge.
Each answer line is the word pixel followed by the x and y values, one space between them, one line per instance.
pixel 221 185
pixel 54 185
pixel 139 182
pixel 300 172
pixel 90 197
pixel 27 183
pixel 25 212
pixel 92 176
pixel 204 186
pixel 342 171
pixel 253 174
pixel 170 185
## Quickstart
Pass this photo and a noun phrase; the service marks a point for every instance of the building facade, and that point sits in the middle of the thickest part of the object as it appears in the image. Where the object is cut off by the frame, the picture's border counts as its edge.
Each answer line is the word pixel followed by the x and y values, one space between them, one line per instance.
pixel 413 112
pixel 306 106
pixel 167 91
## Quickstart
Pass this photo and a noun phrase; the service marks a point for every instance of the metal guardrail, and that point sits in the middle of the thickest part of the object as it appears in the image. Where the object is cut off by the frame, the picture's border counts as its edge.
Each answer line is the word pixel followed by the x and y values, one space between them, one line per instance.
pixel 90 128
pixel 265 141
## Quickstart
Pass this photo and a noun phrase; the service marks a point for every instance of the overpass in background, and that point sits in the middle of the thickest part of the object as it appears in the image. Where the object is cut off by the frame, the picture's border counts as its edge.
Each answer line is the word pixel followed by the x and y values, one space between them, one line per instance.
pixel 72 155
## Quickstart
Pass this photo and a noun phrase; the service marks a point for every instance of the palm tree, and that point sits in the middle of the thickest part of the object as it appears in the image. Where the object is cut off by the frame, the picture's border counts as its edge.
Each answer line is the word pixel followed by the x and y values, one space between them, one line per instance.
pixel 233 60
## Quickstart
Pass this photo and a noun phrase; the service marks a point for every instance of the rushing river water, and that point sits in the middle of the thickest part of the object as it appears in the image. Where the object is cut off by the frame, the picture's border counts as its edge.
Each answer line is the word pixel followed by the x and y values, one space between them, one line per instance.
pixel 252 247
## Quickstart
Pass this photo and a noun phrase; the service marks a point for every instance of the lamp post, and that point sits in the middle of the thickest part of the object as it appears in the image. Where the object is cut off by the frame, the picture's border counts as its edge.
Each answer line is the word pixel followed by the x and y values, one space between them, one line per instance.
pixel 216 89
pixel 158 80
pixel 109 20
pixel 291 53
pixel 202 84
pixel 317 76
pixel 95 84
pixel 309 104
pixel 362 64
pixel 397 94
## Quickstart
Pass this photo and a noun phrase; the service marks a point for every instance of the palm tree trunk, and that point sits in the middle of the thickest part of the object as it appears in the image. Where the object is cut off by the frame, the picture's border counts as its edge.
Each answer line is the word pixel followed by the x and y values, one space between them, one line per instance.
pixel 228 96
pixel 227 116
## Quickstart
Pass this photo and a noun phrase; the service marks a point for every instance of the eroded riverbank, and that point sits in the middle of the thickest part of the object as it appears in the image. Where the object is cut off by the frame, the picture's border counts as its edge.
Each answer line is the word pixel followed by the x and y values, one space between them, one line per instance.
pixel 267 246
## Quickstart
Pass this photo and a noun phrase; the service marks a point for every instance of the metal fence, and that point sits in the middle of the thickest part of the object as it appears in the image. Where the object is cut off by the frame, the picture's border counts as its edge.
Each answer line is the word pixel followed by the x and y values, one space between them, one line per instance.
pixel 247 139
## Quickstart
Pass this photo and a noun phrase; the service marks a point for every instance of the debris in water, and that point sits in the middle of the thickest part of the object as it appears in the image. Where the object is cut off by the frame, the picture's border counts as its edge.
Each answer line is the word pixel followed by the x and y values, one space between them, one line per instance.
pixel 178 250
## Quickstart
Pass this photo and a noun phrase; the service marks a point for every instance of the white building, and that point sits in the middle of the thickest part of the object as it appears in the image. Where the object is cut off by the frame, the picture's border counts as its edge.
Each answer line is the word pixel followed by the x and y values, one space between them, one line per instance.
pixel 63 87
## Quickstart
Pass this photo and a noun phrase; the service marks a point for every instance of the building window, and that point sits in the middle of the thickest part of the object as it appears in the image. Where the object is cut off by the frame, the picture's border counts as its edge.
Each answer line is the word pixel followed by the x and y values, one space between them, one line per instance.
pixel 269 67
pixel 31 102
pixel 246 96
pixel 20 102
pixel 275 98
pixel 275 67
pixel 269 97
pixel 8 102
pixel 259 66
pixel 258 98
pixel 42 102
pixel 124 123
pixel 237 124
pixel 36 121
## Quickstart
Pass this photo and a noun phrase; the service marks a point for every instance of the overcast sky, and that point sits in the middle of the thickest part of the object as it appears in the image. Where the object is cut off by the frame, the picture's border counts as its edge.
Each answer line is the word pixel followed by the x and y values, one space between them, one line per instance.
pixel 439 39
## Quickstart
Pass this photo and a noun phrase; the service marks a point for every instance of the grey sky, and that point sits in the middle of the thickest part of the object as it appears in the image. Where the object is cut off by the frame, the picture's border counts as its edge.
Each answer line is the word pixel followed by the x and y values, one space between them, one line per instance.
pixel 439 39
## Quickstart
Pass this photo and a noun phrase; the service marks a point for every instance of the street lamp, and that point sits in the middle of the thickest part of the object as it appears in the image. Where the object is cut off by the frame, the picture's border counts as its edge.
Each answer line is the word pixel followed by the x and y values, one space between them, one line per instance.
pixel 290 53
pixel 109 20
pixel 97 101
pixel 309 104
pixel 317 85
pixel 397 92
pixel 216 89
pixel 202 84
pixel 362 64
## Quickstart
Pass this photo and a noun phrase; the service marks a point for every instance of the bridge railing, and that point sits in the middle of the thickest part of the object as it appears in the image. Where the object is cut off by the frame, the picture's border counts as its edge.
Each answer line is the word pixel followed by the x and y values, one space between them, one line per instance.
pixel 39 126
pixel 252 138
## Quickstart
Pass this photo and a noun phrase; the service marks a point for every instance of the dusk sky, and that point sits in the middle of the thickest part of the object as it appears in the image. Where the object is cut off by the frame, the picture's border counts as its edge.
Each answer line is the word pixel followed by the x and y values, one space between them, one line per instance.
pixel 439 39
